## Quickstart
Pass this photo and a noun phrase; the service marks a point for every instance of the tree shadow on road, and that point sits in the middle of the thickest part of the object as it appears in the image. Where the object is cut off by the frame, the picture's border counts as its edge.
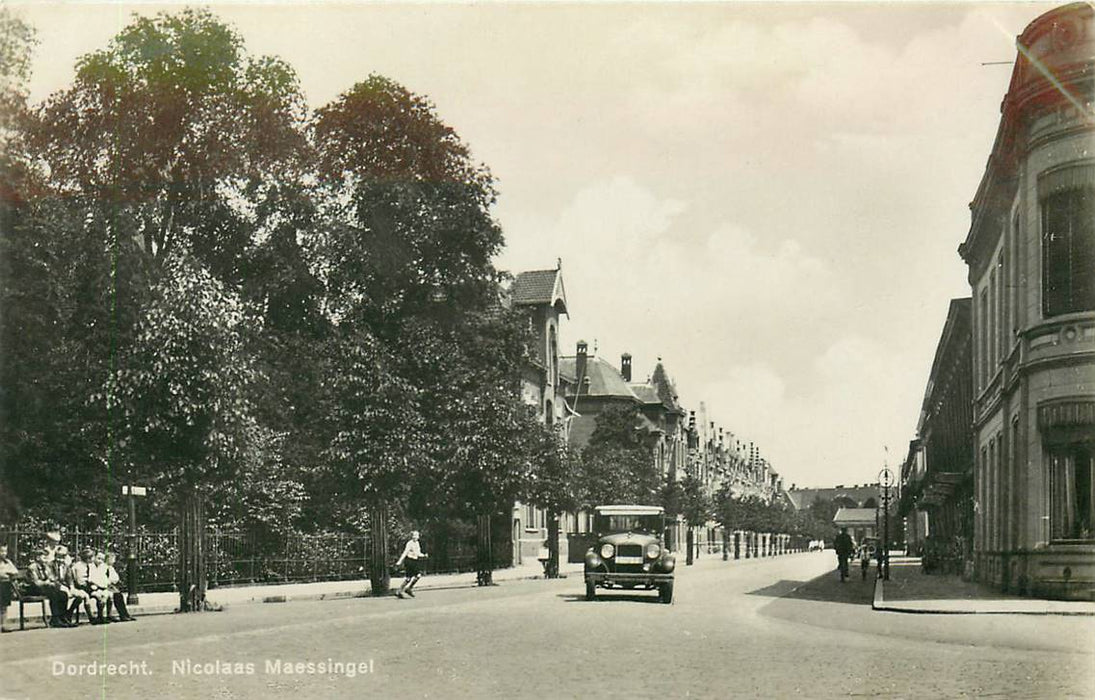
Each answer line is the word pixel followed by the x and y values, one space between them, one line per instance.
pixel 827 588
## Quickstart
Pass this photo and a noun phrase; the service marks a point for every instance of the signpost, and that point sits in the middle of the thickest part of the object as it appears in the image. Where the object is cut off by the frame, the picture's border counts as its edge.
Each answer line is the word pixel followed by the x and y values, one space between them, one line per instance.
pixel 131 597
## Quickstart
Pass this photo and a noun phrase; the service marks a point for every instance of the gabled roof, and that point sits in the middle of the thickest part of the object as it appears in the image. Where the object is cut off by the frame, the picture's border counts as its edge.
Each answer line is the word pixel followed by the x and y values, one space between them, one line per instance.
pixel 855 516
pixel 537 287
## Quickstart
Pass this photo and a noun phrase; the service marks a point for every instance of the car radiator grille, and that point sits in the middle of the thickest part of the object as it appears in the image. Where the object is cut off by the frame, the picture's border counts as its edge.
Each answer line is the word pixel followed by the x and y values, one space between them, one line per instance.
pixel 629 557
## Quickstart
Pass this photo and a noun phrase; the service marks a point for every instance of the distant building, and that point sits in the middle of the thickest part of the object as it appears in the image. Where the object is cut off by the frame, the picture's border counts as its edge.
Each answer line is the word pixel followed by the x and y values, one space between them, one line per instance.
pixel 861 522
pixel 937 475
pixel 1031 257
pixel 856 496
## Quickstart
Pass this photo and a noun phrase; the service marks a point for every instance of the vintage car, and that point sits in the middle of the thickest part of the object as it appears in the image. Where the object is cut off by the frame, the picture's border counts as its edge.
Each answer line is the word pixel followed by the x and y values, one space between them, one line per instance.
pixel 629 552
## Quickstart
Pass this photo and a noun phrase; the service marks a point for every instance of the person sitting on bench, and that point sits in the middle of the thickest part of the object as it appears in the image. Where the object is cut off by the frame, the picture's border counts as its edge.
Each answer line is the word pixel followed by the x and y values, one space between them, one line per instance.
pixel 116 596
pixel 8 573
pixel 66 579
pixel 83 573
pixel 43 582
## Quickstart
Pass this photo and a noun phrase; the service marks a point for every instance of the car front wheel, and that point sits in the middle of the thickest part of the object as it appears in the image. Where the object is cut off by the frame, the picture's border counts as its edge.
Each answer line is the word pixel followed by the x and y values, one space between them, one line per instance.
pixel 665 592
pixel 591 590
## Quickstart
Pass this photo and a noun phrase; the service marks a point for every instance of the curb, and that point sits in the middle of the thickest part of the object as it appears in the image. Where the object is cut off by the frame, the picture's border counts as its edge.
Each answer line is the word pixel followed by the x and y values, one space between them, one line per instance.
pixel 362 592
pixel 880 605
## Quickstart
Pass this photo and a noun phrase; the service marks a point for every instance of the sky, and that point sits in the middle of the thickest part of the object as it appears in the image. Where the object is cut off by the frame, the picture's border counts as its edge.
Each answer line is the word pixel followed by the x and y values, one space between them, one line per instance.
pixel 766 196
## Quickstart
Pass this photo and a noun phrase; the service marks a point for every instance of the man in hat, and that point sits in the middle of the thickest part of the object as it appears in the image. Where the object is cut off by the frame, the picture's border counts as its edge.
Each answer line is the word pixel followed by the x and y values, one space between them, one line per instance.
pixel 53 540
pixel 844 547
pixel 44 582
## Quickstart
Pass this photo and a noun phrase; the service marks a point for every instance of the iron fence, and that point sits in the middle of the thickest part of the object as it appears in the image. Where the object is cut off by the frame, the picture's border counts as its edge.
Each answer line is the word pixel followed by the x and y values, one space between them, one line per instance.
pixel 234 558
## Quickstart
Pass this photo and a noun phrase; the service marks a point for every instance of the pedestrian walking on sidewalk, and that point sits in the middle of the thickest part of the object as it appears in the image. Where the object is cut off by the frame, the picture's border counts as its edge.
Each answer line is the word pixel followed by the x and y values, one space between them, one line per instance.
pixel 412 552
pixel 844 547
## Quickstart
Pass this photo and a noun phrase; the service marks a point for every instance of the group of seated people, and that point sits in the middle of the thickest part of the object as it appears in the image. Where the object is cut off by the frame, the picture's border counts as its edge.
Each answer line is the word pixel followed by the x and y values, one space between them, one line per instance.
pixel 67 585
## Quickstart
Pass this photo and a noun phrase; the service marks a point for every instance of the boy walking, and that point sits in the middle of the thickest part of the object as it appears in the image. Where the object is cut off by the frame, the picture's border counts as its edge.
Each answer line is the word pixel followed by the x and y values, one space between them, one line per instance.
pixel 412 552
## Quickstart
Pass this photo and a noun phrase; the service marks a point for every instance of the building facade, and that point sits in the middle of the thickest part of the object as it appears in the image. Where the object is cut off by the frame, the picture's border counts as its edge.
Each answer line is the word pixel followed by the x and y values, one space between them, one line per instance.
pixel 542 296
pixel 937 477
pixel 1030 252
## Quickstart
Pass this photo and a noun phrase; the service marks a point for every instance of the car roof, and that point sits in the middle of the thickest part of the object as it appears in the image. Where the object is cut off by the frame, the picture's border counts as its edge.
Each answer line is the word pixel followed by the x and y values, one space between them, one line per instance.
pixel 629 510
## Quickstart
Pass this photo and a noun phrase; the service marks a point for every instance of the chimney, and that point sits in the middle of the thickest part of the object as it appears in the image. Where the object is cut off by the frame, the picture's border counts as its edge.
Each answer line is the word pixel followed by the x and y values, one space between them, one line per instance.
pixel 625 366
pixel 580 364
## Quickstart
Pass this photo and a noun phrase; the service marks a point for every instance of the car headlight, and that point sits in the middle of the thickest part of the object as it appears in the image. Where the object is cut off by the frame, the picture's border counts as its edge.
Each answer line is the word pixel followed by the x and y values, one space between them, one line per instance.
pixel 607 550
pixel 653 550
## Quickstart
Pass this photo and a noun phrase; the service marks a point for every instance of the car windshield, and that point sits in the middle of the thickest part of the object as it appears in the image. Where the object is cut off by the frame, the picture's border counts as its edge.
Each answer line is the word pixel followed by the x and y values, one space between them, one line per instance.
pixel 628 523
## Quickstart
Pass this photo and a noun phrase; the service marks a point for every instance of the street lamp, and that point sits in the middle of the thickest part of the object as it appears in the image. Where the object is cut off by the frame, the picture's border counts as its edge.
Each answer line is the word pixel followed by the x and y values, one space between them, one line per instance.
pixel 885 478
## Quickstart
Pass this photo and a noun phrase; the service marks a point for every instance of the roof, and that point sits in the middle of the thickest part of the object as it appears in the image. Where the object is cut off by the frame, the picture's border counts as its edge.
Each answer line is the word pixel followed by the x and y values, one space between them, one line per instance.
pixel 537 287
pixel 803 498
pixel 604 379
pixel 667 391
pixel 629 510
pixel 855 516
pixel 645 393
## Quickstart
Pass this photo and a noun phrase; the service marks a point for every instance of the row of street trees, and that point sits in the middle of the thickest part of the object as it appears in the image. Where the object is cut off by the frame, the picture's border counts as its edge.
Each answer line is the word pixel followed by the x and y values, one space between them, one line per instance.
pixel 288 314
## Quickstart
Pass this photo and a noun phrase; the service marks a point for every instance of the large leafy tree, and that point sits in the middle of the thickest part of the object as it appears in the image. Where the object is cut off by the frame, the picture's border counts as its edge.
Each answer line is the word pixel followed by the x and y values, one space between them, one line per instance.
pixel 404 253
pixel 408 229
pixel 177 130
pixel 172 167
pixel 180 392
pixel 618 463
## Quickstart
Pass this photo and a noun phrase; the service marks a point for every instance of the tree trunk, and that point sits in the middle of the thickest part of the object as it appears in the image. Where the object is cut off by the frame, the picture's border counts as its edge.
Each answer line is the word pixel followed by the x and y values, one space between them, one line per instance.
pixel 552 569
pixel 689 538
pixel 484 553
pixel 379 576
pixel 192 571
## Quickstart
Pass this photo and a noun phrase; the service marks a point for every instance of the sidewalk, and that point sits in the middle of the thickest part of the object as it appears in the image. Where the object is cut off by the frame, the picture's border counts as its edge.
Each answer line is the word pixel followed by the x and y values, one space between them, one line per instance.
pixel 160 603
pixel 911 591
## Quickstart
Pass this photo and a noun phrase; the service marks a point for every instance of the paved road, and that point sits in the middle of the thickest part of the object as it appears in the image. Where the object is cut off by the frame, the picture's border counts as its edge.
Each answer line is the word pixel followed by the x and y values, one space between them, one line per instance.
pixel 769 628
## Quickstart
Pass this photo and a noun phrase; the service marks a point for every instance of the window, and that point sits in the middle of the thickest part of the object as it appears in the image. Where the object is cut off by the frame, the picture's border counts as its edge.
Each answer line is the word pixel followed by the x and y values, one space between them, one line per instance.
pixel 1015 278
pixel 982 344
pixel 1071 496
pixel 994 302
pixel 1068 240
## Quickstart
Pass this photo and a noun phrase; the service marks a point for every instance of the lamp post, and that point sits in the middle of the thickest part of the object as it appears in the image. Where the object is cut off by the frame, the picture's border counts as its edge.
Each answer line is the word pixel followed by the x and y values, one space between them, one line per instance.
pixel 131 597
pixel 885 478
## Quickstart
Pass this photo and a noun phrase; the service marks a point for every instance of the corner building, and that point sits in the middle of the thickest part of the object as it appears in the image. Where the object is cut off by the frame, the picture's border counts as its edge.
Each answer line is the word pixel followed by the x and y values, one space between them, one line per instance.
pixel 1031 257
